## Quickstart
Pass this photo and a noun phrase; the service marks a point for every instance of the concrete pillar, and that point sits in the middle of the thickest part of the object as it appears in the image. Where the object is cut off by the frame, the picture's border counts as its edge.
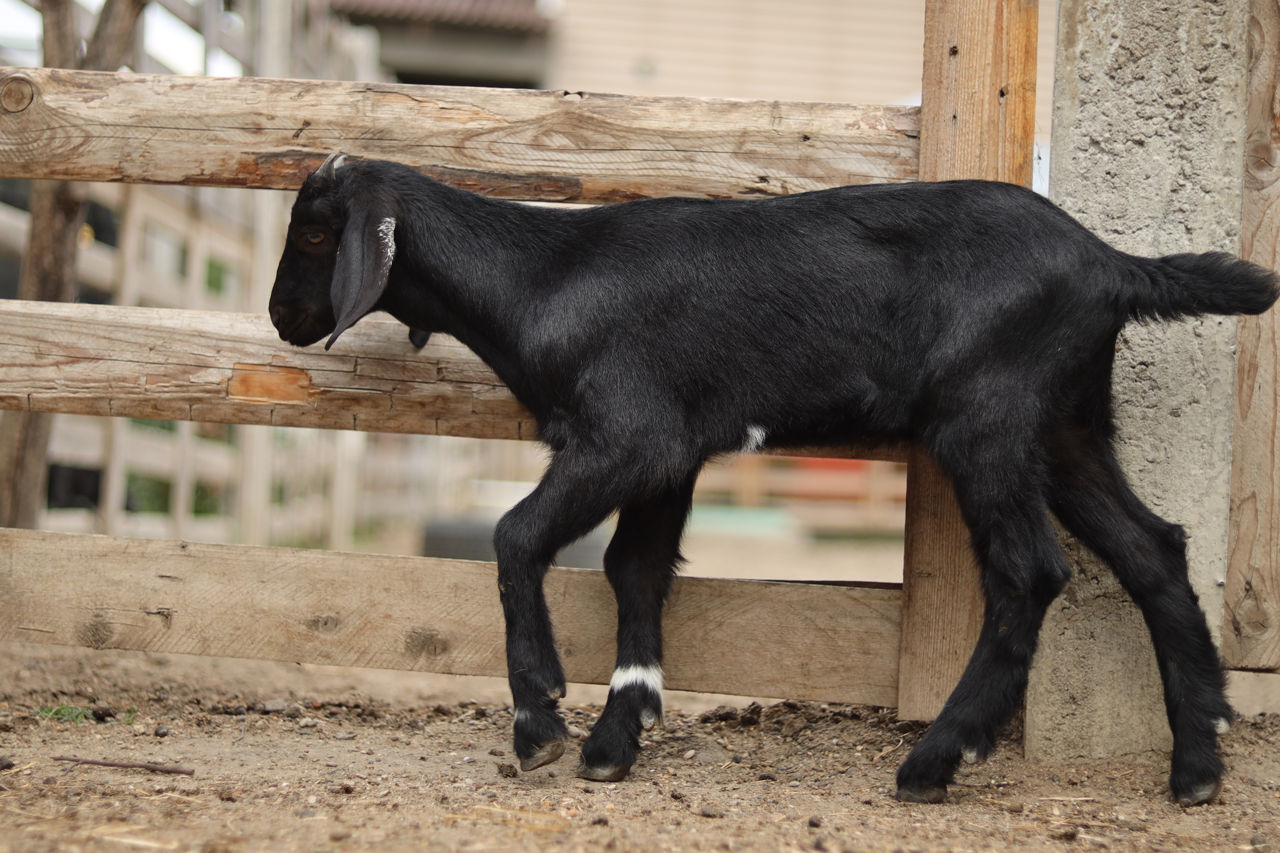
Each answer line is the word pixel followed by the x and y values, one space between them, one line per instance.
pixel 1148 151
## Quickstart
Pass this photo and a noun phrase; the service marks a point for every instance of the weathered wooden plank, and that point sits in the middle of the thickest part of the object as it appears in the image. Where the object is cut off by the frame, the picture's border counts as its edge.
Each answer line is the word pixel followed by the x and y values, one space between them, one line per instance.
pixel 979 92
pixel 549 146
pixel 829 643
pixel 1251 625
pixel 197 365
pixel 977 121
pixel 233 368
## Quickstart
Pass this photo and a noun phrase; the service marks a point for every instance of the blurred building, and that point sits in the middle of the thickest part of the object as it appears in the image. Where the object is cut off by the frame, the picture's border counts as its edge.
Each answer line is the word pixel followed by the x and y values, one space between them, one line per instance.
pixel 186 247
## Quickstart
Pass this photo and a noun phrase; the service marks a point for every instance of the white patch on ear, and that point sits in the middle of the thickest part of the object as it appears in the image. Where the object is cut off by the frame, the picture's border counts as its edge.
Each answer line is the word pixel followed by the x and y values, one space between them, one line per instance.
pixel 646 676
pixel 387 234
pixel 339 162
pixel 755 439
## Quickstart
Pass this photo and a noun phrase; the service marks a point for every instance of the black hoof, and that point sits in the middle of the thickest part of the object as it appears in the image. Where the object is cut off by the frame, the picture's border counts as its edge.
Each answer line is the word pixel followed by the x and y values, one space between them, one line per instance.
pixel 1199 795
pixel 1196 777
pixel 543 755
pixel 921 794
pixel 604 772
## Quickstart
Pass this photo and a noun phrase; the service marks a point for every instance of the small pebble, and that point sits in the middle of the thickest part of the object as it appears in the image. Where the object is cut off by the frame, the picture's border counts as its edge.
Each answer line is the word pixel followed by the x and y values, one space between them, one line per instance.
pixel 815 821
pixel 507 771
pixel 162 730
pixel 690 754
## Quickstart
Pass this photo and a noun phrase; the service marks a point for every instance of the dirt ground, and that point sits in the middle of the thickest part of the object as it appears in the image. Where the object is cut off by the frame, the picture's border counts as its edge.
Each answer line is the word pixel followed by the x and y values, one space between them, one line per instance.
pixel 284 757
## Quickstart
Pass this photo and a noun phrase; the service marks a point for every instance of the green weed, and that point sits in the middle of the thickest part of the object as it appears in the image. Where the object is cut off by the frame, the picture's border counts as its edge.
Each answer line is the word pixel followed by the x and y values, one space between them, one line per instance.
pixel 66 713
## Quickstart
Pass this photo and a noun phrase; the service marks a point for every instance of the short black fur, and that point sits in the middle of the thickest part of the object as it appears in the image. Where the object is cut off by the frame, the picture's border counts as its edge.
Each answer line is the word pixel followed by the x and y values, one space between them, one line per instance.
pixel 974 318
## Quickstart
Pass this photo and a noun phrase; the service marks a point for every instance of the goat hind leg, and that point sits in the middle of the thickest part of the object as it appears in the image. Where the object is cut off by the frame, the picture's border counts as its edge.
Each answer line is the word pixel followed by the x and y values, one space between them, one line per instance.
pixel 1023 570
pixel 574 496
pixel 640 563
pixel 1148 555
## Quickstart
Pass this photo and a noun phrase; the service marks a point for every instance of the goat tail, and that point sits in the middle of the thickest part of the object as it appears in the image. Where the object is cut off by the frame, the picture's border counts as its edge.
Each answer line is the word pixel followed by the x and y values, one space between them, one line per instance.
pixel 1188 285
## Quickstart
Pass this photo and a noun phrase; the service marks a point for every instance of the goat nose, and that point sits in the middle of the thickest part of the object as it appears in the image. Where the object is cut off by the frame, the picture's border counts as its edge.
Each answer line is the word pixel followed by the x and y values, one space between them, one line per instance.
pixel 276 312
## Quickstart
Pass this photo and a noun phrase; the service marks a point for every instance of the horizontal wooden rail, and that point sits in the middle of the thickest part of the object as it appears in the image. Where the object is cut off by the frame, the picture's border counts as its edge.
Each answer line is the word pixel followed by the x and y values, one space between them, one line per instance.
pixel 533 145
pixel 808 641
pixel 233 368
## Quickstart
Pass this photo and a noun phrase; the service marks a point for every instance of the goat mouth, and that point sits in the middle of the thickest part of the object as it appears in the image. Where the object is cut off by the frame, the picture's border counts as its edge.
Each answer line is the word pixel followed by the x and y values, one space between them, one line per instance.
pixel 302 332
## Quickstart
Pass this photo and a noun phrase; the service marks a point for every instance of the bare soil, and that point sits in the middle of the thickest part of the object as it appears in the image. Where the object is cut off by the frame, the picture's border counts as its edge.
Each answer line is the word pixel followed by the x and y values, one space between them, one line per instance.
pixel 295 758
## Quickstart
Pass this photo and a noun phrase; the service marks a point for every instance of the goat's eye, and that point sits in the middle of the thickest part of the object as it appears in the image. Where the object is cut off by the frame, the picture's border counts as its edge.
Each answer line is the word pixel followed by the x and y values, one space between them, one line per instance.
pixel 313 238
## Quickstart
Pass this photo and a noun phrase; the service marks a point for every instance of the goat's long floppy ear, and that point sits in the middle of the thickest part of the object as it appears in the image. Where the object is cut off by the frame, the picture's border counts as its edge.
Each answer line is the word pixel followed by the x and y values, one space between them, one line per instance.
pixel 364 261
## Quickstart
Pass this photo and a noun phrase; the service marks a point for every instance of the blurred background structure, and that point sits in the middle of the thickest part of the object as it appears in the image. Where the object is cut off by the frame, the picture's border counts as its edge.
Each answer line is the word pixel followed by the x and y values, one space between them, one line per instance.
pixel 755 516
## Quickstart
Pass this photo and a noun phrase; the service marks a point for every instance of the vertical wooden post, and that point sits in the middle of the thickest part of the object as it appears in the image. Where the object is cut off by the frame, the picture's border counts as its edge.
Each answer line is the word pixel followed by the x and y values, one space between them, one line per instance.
pixel 111 493
pixel 344 488
pixel 1251 627
pixel 271 59
pixel 977 121
pixel 182 480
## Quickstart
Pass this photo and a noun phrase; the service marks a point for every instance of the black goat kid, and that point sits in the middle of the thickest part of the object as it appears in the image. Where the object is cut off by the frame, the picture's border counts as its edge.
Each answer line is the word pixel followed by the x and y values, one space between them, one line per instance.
pixel 974 318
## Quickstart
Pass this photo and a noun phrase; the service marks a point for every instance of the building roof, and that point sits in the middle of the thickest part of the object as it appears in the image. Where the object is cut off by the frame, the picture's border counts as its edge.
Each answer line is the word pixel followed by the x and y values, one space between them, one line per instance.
pixel 492 14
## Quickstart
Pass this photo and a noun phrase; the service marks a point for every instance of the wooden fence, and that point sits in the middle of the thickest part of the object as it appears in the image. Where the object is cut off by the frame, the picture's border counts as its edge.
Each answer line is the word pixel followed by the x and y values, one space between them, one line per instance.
pixel 1251 625
pixel 901 646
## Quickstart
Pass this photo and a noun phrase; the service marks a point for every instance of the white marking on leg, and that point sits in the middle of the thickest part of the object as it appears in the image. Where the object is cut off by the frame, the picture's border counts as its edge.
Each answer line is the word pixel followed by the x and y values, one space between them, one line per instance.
pixel 648 719
pixel 387 234
pixel 970 756
pixel 648 676
pixel 1221 725
pixel 755 438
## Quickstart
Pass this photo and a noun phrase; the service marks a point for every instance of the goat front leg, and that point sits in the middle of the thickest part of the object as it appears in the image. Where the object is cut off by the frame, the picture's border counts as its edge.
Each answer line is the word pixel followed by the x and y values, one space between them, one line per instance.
pixel 574 496
pixel 641 562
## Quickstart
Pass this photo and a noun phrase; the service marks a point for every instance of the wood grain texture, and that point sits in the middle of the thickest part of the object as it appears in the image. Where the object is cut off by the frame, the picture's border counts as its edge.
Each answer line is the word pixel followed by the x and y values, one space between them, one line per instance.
pixel 1251 626
pixel 547 146
pixel 232 368
pixel 810 641
pixel 977 111
pixel 977 121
